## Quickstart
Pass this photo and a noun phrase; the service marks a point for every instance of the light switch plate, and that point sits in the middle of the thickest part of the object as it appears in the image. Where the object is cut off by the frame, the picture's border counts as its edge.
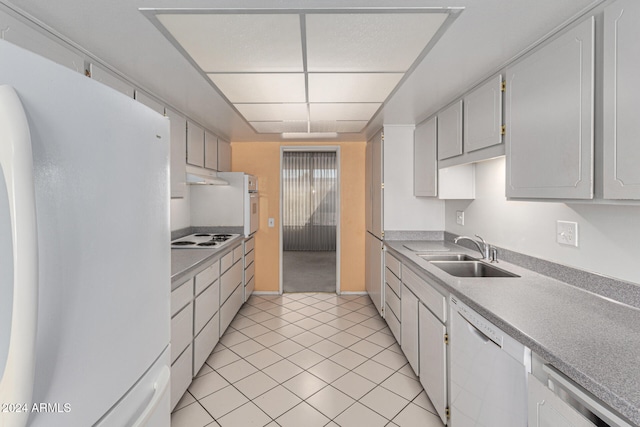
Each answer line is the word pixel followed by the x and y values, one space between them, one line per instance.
pixel 567 233
pixel 272 222
pixel 460 217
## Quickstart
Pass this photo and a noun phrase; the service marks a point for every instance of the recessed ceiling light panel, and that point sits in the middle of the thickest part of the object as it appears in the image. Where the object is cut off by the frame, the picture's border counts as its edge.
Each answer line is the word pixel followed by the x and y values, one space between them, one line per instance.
pixel 272 112
pixel 368 41
pixel 346 111
pixel 261 88
pixel 351 87
pixel 280 127
pixel 239 43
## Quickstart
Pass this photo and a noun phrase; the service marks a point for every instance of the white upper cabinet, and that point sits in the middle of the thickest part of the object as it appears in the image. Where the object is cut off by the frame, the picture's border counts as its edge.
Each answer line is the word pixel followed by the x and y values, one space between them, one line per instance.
pixel 224 156
pixel 621 100
pixel 483 116
pixel 450 131
pixel 195 144
pixel 425 160
pixel 178 128
pixel 210 150
pixel 550 119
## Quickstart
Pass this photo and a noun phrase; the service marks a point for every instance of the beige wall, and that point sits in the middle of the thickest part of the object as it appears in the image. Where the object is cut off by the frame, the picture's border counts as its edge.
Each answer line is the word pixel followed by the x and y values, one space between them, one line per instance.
pixel 263 160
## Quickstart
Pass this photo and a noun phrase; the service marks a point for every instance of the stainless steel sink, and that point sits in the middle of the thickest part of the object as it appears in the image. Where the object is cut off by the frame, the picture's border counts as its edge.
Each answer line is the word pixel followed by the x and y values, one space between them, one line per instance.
pixel 471 269
pixel 446 257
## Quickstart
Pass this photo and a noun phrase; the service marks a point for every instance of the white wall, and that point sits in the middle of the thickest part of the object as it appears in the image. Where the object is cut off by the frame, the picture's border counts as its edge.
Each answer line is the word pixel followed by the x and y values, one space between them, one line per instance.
pixel 181 211
pixel 608 235
pixel 402 210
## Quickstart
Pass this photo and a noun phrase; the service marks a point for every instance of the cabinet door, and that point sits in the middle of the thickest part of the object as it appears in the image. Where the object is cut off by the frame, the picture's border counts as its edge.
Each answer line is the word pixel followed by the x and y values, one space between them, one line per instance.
pixel 145 99
pixel 373 271
pixel 210 151
pixel 195 144
pixel 621 100
pixel 450 131
pixel 433 360
pixel 483 116
pixel 224 156
pixel 376 182
pixel 368 186
pixel 409 329
pixel 548 410
pixel 425 160
pixel 549 119
pixel 178 150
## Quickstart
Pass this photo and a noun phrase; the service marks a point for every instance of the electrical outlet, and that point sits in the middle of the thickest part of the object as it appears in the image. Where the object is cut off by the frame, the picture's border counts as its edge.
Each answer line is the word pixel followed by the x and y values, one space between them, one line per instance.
pixel 567 233
pixel 460 217
pixel 272 222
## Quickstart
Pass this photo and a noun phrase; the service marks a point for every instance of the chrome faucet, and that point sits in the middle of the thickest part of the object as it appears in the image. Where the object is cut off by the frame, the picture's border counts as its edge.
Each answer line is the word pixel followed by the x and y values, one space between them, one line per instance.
pixel 487 251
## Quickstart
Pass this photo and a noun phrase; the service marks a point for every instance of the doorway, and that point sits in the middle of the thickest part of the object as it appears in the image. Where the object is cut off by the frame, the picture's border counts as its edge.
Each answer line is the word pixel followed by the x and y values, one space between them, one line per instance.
pixel 309 218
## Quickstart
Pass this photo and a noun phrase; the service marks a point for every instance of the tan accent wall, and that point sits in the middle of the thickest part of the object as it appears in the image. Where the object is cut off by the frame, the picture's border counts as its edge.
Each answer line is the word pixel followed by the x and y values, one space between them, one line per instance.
pixel 263 160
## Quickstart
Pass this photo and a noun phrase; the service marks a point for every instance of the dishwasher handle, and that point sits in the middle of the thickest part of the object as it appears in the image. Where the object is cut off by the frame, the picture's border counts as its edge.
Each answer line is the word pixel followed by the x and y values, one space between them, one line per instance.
pixel 477 332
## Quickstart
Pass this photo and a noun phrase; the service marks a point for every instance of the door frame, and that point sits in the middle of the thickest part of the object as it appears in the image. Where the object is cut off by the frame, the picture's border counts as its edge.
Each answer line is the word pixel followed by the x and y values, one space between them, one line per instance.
pixel 311 148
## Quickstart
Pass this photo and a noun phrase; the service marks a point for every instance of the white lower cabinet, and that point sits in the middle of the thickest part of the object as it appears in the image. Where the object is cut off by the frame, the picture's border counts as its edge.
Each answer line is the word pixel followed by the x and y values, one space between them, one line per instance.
pixel 433 359
pixel 409 332
pixel 230 308
pixel 181 375
pixel 204 343
pixel 249 267
pixel 231 286
pixel 181 331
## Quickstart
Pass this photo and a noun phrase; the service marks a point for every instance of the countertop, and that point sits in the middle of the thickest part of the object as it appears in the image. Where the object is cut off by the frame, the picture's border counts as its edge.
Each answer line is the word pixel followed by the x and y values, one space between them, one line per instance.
pixel 184 261
pixel 593 340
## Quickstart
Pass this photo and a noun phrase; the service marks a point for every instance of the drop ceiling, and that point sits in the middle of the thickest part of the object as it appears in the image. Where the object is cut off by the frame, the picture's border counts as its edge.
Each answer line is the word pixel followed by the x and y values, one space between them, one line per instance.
pixel 304 71
pixel 474 47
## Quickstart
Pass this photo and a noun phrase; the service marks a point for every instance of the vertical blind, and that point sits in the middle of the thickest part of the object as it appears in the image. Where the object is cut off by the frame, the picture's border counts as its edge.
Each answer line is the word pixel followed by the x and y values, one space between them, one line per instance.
pixel 309 201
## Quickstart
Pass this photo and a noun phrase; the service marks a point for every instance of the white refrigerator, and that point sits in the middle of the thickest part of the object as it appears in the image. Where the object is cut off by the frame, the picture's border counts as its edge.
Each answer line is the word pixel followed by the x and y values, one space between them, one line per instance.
pixel 84 251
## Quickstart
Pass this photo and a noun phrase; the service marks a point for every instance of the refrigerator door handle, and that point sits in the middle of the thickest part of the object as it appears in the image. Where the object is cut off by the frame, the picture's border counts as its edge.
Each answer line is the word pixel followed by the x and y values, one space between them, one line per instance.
pixel 16 163
pixel 160 386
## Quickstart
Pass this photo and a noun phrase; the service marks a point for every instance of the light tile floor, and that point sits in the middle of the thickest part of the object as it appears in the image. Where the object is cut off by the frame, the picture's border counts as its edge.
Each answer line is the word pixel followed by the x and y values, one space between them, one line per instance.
pixel 309 359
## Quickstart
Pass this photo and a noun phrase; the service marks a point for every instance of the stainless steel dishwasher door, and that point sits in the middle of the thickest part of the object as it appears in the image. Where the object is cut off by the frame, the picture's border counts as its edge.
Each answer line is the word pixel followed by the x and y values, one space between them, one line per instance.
pixel 488 373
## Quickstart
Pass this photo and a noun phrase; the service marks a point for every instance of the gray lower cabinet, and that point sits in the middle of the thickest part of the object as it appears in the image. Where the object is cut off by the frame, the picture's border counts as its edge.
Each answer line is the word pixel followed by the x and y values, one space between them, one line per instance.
pixel 550 119
pixel 409 332
pixel 424 336
pixel 621 100
pixel 433 359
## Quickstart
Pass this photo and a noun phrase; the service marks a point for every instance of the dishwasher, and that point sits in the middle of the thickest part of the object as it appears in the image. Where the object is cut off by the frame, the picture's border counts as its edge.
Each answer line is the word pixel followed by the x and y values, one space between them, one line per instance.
pixel 489 372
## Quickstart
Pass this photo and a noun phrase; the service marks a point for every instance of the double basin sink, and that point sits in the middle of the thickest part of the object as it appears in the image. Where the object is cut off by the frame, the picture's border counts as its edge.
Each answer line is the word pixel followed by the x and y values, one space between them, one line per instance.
pixel 461 265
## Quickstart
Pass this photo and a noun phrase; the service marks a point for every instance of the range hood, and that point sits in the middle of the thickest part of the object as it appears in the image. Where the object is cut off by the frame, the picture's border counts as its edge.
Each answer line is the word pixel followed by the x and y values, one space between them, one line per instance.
pixel 194 178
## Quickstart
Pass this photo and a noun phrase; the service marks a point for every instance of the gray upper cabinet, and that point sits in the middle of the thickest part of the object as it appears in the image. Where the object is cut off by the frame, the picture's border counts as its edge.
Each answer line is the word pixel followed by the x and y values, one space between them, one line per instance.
pixel 224 156
pixel 425 161
pixel 106 77
pixel 178 149
pixel 483 116
pixel 195 144
pixel 210 150
pixel 550 119
pixel 450 131
pixel 377 193
pixel 145 99
pixel 621 100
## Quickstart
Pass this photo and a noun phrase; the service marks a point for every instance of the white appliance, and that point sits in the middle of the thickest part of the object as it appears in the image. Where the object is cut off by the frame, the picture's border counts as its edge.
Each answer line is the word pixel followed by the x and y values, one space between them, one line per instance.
pixel 203 241
pixel 233 205
pixel 85 265
pixel 488 372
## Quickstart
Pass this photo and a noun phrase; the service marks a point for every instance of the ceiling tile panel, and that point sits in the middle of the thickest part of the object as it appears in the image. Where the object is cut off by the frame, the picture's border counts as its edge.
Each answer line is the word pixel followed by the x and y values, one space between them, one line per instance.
pixel 261 88
pixel 239 43
pixel 356 87
pixel 346 111
pixel 272 112
pixel 368 41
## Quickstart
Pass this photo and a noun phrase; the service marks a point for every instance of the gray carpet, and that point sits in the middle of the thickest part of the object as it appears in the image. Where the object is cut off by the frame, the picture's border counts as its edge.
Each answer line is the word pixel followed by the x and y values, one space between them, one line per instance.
pixel 309 271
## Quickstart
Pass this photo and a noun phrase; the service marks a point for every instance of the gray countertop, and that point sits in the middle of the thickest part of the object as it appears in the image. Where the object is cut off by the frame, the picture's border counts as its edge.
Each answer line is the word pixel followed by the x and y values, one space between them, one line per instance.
pixel 593 340
pixel 185 261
